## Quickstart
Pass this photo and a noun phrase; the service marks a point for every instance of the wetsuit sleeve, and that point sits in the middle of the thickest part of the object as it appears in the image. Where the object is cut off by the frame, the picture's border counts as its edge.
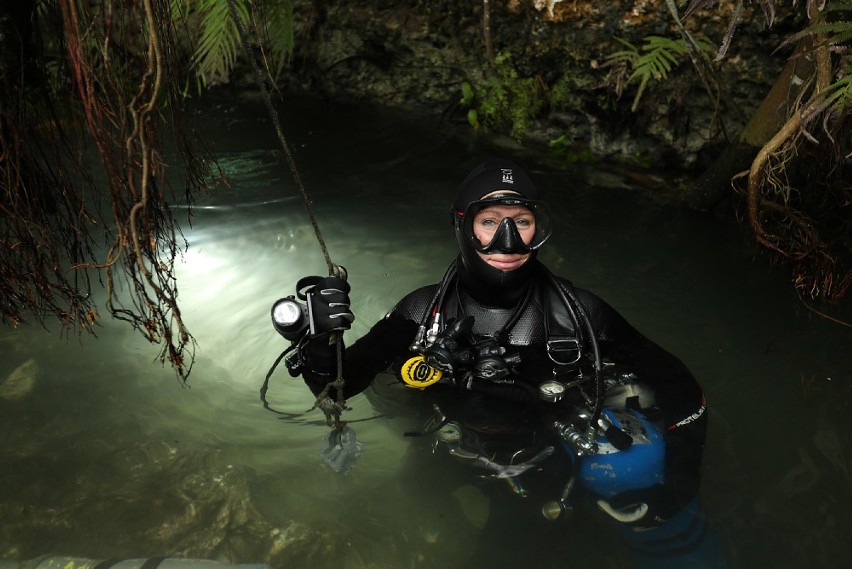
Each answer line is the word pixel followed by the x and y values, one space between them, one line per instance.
pixel 385 344
pixel 373 353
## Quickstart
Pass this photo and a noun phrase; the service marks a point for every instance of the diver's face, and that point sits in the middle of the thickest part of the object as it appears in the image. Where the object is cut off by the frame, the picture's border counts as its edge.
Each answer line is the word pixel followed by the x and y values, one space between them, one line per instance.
pixel 485 225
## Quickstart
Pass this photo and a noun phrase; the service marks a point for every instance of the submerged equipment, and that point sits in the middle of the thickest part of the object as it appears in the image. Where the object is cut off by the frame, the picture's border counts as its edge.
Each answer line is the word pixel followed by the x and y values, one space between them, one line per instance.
pixel 501 462
pixel 340 449
pixel 625 452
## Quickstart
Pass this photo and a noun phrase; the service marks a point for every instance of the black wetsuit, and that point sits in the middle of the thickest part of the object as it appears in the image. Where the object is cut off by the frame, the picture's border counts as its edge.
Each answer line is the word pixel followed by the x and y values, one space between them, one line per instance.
pixel 679 402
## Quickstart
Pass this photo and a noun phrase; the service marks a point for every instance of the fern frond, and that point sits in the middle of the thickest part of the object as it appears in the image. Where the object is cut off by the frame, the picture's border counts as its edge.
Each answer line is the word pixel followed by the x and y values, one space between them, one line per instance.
pixel 835 33
pixel 658 56
pixel 836 6
pixel 624 55
pixel 840 93
pixel 628 55
pixel 662 54
pixel 278 31
pixel 219 42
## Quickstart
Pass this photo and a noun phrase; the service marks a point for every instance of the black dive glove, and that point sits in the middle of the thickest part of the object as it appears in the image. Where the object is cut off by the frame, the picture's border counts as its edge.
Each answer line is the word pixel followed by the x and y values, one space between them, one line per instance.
pixel 328 307
pixel 309 319
pixel 324 308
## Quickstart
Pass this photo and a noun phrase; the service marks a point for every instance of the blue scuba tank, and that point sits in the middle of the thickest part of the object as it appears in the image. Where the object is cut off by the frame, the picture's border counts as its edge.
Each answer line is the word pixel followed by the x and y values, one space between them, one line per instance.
pixel 611 471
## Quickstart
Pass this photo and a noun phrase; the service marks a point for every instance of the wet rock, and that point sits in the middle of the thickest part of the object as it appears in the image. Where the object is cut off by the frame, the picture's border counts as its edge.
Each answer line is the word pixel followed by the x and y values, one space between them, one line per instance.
pixel 417 56
pixel 150 498
pixel 21 382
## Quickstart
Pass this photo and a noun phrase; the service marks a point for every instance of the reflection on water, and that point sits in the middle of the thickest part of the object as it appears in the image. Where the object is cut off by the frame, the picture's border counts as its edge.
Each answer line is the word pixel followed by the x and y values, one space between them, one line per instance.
pixel 105 454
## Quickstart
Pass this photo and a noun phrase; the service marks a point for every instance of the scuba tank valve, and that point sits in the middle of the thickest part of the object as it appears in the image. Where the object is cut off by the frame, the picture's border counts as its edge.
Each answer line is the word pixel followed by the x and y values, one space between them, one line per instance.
pixel 583 443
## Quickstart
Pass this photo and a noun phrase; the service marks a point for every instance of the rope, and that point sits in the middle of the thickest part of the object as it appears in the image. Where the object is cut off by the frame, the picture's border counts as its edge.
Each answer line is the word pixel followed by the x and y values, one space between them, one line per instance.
pixel 332 409
pixel 333 270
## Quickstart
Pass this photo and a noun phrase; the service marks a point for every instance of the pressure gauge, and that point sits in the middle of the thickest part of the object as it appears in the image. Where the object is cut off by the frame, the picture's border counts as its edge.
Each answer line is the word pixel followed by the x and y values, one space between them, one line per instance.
pixel 551 391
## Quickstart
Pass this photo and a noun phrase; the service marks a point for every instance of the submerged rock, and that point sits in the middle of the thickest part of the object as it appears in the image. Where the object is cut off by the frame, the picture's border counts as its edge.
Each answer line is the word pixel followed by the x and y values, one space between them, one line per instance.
pixel 21 382
pixel 148 499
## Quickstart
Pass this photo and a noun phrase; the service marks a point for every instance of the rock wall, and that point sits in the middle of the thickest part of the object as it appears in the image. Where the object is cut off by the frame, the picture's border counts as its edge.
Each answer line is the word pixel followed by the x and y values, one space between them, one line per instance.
pixel 417 54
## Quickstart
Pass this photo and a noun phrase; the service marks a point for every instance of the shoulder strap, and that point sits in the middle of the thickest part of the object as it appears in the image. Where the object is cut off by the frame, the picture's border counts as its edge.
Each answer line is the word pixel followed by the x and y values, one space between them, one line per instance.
pixel 562 324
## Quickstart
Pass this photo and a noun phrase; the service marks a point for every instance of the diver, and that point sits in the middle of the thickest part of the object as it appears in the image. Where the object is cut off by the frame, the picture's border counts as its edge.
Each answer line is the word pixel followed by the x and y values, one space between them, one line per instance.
pixel 521 370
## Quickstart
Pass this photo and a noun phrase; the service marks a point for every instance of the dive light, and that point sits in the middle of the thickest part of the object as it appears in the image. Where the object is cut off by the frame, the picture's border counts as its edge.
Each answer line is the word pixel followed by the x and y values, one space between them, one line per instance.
pixel 290 317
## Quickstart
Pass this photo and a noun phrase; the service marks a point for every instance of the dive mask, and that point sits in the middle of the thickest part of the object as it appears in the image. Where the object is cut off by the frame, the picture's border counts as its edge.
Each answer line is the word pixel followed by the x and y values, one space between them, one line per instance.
pixel 507 237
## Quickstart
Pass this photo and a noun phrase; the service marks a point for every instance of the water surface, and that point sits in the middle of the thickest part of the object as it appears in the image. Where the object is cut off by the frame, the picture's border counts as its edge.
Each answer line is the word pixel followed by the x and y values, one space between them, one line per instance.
pixel 106 455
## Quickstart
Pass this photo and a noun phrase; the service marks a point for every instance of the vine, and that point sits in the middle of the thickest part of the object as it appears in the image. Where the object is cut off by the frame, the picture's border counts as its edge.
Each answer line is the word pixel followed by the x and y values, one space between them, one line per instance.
pixel 774 212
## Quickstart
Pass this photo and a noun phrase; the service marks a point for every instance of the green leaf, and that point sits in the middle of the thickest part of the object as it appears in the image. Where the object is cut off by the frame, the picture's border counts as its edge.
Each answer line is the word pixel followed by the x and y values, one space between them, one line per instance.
pixel 473 118
pixel 278 31
pixel 468 95
pixel 659 55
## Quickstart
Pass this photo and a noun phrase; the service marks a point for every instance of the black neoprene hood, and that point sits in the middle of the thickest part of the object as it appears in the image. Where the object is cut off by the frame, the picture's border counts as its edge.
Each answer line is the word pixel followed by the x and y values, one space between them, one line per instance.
pixel 492 175
pixel 487 284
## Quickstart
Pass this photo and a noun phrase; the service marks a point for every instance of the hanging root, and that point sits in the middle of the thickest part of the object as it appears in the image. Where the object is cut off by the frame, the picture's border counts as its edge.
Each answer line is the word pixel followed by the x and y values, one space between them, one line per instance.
pixel 792 235
pixel 778 198
pixel 118 79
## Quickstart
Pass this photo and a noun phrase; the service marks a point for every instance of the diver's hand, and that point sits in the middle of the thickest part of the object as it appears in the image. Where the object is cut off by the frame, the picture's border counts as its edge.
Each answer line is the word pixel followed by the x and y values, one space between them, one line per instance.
pixel 329 307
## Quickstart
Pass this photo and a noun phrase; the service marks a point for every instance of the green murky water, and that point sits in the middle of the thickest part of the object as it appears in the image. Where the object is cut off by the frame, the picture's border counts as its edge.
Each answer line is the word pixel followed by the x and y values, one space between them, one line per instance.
pixel 105 454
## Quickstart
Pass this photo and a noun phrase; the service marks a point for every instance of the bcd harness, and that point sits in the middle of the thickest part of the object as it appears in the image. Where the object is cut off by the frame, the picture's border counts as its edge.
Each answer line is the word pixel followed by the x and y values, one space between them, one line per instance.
pixel 448 350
